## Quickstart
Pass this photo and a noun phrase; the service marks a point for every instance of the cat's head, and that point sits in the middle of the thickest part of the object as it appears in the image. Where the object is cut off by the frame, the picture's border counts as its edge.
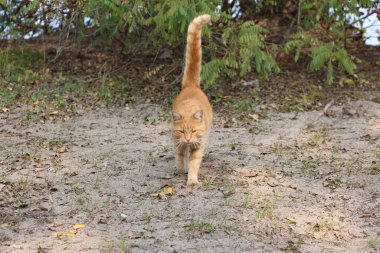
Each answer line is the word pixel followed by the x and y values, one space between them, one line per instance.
pixel 188 128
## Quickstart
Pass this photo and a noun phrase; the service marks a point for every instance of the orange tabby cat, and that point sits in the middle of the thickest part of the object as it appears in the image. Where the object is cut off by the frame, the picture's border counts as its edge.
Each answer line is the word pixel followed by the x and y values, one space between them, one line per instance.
pixel 192 112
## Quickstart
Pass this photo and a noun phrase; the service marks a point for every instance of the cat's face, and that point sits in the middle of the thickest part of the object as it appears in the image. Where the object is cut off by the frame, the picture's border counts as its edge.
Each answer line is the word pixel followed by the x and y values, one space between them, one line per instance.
pixel 188 129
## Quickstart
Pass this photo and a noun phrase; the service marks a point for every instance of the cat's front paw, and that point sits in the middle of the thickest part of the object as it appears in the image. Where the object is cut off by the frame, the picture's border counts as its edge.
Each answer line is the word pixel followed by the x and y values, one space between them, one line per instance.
pixel 192 182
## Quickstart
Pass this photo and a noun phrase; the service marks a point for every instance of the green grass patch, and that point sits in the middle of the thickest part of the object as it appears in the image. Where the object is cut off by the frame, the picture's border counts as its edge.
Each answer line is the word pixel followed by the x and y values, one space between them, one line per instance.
pixel 197 224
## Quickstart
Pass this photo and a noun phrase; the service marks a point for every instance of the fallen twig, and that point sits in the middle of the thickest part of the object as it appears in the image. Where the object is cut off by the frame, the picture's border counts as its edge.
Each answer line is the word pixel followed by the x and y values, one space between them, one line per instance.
pixel 325 109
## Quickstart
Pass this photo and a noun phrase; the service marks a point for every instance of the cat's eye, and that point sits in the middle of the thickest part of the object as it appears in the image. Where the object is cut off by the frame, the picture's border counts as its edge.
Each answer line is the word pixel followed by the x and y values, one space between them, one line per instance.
pixel 193 131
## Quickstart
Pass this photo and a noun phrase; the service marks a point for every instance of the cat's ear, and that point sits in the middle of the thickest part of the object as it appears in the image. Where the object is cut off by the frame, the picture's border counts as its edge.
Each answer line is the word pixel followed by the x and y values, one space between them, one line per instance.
pixel 198 115
pixel 176 116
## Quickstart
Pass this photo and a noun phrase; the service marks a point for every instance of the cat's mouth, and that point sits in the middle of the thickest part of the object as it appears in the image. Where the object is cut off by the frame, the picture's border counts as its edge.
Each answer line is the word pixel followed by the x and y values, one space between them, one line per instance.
pixel 188 144
pixel 192 145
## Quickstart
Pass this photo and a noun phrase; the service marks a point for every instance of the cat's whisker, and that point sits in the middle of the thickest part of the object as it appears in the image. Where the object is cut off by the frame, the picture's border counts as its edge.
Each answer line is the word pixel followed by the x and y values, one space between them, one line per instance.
pixel 178 146
pixel 196 144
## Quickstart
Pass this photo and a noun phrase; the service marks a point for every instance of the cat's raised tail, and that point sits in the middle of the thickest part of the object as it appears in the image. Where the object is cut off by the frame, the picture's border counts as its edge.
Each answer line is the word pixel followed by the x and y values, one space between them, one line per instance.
pixel 193 60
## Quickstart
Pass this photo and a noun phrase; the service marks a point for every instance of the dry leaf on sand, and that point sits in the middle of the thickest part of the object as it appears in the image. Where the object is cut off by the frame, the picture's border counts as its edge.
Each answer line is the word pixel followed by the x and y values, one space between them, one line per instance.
pixel 78 226
pixel 168 190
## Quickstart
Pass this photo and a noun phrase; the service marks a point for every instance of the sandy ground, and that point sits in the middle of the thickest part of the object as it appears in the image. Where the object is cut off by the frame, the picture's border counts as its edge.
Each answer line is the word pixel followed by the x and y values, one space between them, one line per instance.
pixel 290 183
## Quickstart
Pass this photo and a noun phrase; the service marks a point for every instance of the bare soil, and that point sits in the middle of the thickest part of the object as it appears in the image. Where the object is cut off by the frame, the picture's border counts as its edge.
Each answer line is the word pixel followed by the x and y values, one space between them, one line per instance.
pixel 292 182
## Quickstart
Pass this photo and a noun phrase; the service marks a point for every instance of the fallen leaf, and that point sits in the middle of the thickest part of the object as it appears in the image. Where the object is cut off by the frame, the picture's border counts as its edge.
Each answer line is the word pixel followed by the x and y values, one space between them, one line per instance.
pixel 168 190
pixel 5 225
pixel 52 227
pixel 41 250
pixel 26 156
pixel 1 186
pixel 35 104
pixel 54 113
pixel 279 176
pixel 133 235
pixel 349 81
pixel 102 221
pixel 4 109
pixel 62 149
pixel 249 174
pixel 59 234
pixel 78 226
pixel 71 233
pixel 272 182
pixel 63 233
pixel 39 169
pixel 367 214
pixel 255 117
pixel 291 220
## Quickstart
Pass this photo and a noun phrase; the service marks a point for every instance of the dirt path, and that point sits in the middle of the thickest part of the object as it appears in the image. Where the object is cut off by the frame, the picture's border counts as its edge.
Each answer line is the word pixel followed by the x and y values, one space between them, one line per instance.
pixel 293 183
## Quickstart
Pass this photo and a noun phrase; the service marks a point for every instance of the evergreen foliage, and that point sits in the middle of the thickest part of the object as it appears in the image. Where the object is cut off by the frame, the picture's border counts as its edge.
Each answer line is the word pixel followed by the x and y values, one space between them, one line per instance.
pixel 234 46
pixel 327 54
pixel 244 44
